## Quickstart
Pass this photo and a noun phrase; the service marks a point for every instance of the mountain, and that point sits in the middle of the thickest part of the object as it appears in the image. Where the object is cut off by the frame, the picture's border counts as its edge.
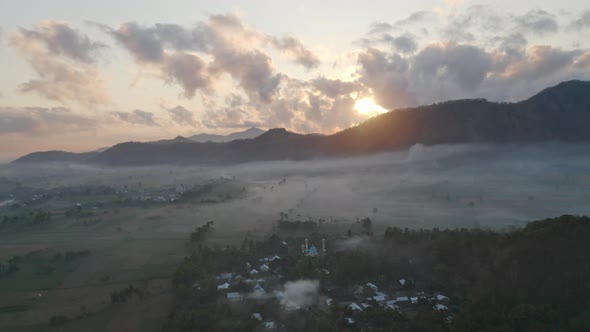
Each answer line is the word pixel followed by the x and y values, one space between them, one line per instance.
pixel 177 139
pixel 246 134
pixel 559 113
pixel 55 156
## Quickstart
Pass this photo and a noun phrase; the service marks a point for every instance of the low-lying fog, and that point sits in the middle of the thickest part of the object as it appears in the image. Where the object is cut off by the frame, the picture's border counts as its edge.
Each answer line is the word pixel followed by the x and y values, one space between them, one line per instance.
pixel 423 187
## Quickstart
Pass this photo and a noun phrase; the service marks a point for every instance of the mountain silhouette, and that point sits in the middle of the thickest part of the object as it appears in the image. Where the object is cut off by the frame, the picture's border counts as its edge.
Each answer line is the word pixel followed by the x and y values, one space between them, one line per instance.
pixel 559 113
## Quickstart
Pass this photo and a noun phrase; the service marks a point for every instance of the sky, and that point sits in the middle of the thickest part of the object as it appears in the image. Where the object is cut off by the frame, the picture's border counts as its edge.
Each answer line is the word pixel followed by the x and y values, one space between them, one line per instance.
pixel 79 76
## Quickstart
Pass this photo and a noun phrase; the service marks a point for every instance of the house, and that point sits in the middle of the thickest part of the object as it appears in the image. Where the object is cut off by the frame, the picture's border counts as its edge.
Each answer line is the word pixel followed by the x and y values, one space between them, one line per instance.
pixel 380 298
pixel 223 286
pixel 225 276
pixel 269 325
pixel 442 298
pixel 196 286
pixel 414 299
pixel 274 258
pixel 313 251
pixel 329 301
pixel 365 305
pixel 257 316
pixel 440 307
pixel 391 303
pixel 234 296
pixel 392 307
pixel 258 290
pixel 402 300
pixel 349 321
pixel 264 268
pixel 359 291
pixel 355 307
pixel 402 282
pixel 253 272
pixel 372 286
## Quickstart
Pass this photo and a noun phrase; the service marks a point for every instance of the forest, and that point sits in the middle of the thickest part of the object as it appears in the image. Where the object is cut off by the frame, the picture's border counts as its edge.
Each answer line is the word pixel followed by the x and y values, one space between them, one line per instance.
pixel 530 279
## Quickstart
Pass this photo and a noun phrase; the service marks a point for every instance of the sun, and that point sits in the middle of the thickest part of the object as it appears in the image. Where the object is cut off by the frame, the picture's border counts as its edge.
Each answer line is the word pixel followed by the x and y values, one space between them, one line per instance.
pixel 367 106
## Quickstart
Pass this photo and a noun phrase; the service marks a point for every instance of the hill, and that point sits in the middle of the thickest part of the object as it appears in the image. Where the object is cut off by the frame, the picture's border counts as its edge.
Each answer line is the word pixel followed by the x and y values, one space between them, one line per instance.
pixel 559 113
pixel 246 134
pixel 55 156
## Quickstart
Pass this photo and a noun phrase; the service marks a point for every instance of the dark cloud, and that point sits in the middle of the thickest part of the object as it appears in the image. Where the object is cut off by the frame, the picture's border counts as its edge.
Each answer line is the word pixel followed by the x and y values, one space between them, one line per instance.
pixel 379 27
pixel 189 71
pixel 60 39
pixel 137 117
pixel 514 41
pixel 236 116
pixel 538 22
pixel 583 61
pixel 583 21
pixel 42 120
pixel 252 70
pixel 385 74
pixel 182 116
pixel 61 82
pixel 233 48
pixel 147 44
pixel 333 88
pixel 416 17
pixel 295 48
pixel 466 65
pixel 540 62
pixel 404 44
pixel 142 43
pixel 63 60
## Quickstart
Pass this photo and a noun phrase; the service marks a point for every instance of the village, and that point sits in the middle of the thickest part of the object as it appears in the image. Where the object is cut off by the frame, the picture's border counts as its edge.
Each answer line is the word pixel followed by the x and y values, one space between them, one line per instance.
pixel 265 282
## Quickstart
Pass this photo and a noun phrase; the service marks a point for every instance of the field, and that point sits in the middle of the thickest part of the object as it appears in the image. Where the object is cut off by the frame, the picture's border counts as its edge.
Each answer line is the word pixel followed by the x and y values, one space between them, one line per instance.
pixel 135 221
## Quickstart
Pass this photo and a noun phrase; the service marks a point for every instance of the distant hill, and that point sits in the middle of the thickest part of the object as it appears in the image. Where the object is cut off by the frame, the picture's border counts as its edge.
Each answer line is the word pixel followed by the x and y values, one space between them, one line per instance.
pixel 246 134
pixel 55 156
pixel 559 113
pixel 177 139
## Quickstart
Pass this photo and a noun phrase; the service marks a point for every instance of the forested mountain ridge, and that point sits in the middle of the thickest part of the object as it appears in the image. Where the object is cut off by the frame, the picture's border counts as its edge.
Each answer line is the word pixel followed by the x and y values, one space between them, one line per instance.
pixel 559 113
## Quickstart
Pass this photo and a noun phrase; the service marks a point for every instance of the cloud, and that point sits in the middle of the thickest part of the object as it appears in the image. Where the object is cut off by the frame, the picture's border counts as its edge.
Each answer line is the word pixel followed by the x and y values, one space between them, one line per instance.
pixel 583 61
pixel 252 70
pixel 333 87
pixel 538 22
pixel 142 43
pixel 295 48
pixel 138 117
pixel 404 44
pixel 416 17
pixel 60 39
pixel 64 61
pixel 182 116
pixel 466 65
pixel 385 74
pixel 301 293
pixel 379 28
pixel 62 82
pixel 189 71
pixel 539 62
pixel 583 21
pixel 234 49
pixel 42 120
pixel 235 113
pixel 514 41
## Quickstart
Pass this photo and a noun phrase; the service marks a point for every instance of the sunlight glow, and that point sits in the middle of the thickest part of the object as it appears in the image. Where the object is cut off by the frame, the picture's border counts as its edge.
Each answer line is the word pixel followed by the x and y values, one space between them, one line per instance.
pixel 368 106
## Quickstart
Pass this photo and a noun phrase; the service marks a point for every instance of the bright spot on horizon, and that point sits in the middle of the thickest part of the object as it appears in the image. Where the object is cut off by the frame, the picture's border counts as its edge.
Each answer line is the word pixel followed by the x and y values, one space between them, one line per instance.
pixel 368 106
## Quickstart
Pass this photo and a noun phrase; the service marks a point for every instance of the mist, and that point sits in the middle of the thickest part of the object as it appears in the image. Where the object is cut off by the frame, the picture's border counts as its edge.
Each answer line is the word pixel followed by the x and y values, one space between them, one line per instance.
pixel 423 187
